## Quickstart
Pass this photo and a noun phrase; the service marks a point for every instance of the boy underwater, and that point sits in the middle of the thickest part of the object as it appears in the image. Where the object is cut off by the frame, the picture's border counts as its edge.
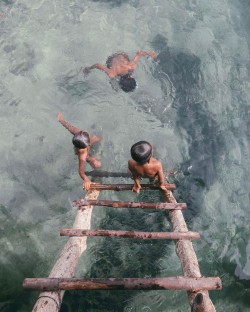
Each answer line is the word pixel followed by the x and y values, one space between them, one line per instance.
pixel 82 143
pixel 143 165
pixel 119 66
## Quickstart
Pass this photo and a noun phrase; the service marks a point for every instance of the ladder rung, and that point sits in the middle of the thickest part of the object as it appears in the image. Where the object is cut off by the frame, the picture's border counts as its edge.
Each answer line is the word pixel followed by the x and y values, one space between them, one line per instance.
pixel 177 282
pixel 121 204
pixel 107 174
pixel 130 234
pixel 125 187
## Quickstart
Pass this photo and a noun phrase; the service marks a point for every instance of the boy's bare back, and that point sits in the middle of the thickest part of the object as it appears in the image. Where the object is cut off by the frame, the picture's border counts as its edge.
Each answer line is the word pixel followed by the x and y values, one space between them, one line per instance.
pixel 149 170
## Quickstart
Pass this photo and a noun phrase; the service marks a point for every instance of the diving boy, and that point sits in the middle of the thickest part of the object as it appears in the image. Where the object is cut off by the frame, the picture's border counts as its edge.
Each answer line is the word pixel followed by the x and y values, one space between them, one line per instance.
pixel 143 165
pixel 119 66
pixel 82 143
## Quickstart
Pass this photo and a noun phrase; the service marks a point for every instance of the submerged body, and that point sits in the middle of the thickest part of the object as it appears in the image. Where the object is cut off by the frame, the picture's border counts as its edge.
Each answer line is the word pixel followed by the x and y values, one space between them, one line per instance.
pixel 119 65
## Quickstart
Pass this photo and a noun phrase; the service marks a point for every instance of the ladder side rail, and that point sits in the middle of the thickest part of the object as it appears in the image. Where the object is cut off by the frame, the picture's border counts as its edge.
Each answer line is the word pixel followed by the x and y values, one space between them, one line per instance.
pixel 199 300
pixel 65 265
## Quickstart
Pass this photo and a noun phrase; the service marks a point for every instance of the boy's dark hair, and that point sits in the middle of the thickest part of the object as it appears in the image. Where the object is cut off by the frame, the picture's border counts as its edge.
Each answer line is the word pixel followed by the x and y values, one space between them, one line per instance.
pixel 81 139
pixel 127 83
pixel 141 152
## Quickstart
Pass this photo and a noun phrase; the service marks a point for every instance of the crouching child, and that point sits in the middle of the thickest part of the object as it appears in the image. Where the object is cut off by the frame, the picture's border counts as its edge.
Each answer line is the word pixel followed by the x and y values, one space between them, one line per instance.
pixel 82 143
pixel 144 165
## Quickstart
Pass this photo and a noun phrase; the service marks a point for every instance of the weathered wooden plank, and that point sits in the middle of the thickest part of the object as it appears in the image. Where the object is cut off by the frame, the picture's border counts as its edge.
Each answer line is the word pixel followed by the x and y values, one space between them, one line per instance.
pixel 126 204
pixel 107 174
pixel 66 263
pixel 130 234
pixel 125 187
pixel 199 300
pixel 167 283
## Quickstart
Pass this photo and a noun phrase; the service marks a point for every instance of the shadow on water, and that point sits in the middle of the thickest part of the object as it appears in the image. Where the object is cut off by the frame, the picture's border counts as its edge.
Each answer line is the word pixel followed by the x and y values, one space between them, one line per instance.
pixel 204 139
pixel 118 3
pixel 244 18
pixel 206 144
pixel 114 3
pixel 8 1
pixel 12 296
pixel 72 86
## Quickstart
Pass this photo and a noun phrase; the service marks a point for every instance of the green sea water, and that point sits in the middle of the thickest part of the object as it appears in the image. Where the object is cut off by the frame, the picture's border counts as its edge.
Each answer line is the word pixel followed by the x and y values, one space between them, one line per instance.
pixel 192 104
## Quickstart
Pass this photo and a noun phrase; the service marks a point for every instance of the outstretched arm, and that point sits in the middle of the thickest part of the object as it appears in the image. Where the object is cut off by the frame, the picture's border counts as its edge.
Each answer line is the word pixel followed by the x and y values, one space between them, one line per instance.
pixel 87 70
pixel 139 54
pixel 82 157
pixel 67 125
pixel 94 139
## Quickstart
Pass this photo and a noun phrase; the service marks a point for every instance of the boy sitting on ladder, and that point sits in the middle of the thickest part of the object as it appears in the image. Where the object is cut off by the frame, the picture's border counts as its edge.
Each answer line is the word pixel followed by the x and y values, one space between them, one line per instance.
pixel 143 165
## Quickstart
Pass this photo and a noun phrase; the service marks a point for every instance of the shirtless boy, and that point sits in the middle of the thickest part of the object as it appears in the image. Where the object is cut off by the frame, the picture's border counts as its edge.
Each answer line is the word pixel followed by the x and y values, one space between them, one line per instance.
pixel 119 66
pixel 143 165
pixel 82 142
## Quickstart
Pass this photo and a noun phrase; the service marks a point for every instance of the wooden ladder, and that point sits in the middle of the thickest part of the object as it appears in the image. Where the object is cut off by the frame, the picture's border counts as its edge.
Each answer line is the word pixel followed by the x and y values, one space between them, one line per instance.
pixel 61 276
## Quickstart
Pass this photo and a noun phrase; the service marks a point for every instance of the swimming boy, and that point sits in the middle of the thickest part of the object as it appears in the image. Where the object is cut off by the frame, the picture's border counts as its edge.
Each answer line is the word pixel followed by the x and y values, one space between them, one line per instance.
pixel 143 165
pixel 82 142
pixel 119 65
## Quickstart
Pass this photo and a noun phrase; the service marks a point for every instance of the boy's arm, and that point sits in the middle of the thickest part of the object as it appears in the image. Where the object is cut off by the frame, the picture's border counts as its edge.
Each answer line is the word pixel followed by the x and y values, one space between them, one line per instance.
pixel 95 139
pixel 161 176
pixel 94 163
pixel 87 70
pixel 137 186
pixel 82 156
pixel 139 54
pixel 67 125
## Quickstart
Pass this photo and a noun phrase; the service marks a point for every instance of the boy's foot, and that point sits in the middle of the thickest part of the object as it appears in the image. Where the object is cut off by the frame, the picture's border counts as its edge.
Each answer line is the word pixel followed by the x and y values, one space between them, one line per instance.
pixel 136 189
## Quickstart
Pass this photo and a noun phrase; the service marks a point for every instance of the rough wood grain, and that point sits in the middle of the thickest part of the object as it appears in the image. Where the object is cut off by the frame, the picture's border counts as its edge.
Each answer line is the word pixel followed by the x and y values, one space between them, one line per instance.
pixel 66 263
pixel 126 204
pixel 161 283
pixel 130 234
pixel 125 187
pixel 107 174
pixel 188 259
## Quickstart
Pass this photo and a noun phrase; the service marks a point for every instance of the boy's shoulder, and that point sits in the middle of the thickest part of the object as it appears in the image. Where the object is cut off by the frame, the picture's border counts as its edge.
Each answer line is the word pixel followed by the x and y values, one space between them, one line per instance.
pixel 132 162
pixel 156 162
pixel 82 151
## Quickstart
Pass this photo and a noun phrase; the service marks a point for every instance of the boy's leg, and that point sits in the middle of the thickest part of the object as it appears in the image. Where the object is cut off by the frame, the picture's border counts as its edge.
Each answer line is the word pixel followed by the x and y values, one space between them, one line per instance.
pixel 136 188
pixel 94 163
pixel 95 139
pixel 154 180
